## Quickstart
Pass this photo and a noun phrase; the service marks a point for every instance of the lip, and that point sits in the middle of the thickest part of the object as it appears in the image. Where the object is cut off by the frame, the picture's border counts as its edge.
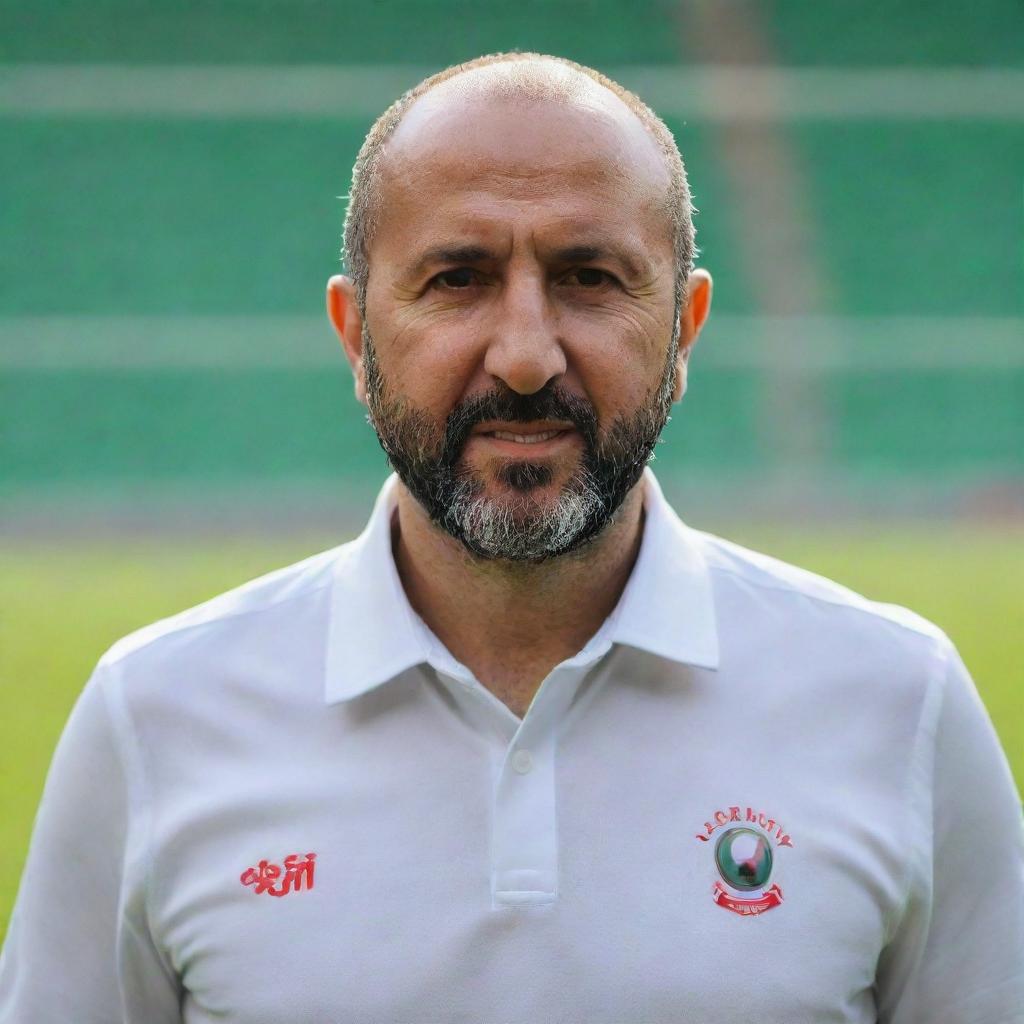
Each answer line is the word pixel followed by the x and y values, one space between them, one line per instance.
pixel 526 449
pixel 533 427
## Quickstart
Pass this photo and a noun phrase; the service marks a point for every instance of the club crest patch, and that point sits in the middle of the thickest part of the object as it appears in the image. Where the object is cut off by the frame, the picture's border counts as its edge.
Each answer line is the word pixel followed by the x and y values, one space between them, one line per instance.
pixel 745 845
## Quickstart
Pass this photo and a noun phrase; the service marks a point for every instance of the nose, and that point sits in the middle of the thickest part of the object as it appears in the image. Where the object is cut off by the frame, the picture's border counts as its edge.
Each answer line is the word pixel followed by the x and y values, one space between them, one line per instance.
pixel 525 350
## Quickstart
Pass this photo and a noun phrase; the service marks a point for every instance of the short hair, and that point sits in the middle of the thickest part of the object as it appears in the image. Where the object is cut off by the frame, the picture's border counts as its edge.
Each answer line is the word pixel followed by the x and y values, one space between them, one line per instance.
pixel 363 211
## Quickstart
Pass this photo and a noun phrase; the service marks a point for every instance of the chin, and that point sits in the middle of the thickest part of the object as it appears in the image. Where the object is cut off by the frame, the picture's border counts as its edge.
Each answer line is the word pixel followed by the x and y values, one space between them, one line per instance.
pixel 534 477
pixel 526 476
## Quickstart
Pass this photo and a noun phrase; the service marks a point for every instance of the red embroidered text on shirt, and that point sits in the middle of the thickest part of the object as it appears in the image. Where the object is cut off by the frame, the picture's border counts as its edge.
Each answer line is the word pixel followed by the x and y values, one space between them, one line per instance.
pixel 297 872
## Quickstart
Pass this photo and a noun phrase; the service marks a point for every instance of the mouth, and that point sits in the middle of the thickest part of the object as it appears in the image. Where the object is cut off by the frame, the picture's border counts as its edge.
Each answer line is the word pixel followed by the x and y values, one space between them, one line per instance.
pixel 532 429
pixel 537 437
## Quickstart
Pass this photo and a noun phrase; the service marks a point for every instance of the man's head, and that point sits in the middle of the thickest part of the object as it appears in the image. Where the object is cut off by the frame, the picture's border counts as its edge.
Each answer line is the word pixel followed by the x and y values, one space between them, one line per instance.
pixel 520 244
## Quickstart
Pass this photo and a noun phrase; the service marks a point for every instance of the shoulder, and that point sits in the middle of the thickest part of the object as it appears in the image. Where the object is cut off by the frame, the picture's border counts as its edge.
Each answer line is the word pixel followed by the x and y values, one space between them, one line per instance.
pixel 770 576
pixel 761 590
pixel 852 677
pixel 213 624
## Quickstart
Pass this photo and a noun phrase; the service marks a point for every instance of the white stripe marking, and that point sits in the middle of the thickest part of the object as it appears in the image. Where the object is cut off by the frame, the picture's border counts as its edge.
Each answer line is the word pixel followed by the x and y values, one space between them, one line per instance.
pixel 816 343
pixel 700 93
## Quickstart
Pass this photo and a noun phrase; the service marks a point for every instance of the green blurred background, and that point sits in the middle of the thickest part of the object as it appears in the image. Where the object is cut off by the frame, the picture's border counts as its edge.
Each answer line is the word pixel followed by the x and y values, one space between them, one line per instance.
pixel 175 415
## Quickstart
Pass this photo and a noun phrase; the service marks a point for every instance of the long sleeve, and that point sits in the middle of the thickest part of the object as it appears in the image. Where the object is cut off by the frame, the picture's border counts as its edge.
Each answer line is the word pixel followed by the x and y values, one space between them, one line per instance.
pixel 958 957
pixel 77 948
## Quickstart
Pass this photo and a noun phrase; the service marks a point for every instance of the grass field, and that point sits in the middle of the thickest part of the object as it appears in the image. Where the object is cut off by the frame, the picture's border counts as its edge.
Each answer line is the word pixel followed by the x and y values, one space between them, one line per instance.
pixel 62 603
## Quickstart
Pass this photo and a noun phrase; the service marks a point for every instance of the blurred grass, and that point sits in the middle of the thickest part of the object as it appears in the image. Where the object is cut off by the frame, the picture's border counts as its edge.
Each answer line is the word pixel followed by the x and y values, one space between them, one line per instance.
pixel 62 603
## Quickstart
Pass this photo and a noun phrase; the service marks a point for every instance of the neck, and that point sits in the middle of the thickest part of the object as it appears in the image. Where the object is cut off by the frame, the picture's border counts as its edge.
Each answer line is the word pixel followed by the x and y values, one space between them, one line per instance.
pixel 510 623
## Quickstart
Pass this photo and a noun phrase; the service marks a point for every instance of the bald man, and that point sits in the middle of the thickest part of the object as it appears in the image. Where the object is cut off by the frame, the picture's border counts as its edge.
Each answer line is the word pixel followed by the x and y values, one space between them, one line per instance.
pixel 529 749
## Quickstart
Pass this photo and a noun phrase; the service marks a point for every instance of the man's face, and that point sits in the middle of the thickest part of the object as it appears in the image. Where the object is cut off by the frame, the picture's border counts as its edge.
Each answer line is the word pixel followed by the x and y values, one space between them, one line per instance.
pixel 519 352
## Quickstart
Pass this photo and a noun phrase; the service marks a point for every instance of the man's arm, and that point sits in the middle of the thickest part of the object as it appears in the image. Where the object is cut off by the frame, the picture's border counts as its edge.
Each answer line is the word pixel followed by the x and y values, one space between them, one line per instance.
pixel 958 957
pixel 78 949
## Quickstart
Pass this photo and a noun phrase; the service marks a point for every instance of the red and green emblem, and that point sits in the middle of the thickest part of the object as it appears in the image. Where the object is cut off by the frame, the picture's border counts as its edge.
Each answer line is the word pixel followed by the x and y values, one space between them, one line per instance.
pixel 745 858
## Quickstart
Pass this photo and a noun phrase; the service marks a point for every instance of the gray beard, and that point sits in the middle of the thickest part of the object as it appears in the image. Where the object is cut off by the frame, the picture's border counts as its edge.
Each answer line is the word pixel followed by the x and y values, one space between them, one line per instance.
pixel 516 527
pixel 520 529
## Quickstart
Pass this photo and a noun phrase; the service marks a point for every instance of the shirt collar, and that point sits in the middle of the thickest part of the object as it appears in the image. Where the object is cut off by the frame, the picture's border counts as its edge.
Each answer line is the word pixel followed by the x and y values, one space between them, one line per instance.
pixel 666 608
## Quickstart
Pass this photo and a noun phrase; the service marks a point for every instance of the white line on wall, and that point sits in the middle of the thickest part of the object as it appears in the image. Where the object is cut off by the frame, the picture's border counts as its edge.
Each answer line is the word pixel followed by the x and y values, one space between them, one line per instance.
pixel 827 344
pixel 697 92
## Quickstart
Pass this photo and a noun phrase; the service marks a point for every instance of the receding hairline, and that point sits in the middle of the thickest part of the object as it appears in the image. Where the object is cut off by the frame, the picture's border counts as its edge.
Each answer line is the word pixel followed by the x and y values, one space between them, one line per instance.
pixel 520 76
pixel 484 87
pixel 514 76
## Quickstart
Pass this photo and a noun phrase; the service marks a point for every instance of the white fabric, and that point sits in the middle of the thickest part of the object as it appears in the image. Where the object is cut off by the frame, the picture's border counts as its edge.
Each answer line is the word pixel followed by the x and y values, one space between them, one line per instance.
pixel 472 867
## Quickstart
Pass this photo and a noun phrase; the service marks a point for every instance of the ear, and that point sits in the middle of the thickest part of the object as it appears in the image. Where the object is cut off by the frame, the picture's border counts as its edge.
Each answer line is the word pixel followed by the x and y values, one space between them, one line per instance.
pixel 344 314
pixel 696 306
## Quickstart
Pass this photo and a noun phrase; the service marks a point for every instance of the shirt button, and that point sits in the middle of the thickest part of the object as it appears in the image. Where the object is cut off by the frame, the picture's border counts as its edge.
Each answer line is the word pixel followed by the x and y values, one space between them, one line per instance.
pixel 522 761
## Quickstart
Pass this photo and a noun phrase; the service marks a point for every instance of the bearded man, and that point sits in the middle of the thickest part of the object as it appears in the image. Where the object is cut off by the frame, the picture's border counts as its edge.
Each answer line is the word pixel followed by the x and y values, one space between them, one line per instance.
pixel 529 749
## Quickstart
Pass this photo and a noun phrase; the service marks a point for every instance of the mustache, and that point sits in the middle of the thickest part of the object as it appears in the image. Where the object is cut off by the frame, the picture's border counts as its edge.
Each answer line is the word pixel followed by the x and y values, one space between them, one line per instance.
pixel 550 403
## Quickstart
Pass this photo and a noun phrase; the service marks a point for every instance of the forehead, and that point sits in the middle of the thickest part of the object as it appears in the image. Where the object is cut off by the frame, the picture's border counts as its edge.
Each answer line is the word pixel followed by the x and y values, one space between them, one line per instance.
pixel 465 154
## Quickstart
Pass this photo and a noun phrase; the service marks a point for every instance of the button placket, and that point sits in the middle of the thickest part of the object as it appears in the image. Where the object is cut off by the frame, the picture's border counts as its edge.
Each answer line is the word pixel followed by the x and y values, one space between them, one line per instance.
pixel 524 847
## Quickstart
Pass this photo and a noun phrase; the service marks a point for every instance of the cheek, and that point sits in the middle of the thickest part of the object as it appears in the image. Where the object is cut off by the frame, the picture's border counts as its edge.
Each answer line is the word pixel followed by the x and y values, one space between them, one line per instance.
pixel 434 370
pixel 619 360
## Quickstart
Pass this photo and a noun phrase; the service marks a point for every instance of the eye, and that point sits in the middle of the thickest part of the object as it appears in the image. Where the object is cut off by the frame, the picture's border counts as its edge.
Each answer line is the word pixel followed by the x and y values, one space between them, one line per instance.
pixel 460 277
pixel 589 277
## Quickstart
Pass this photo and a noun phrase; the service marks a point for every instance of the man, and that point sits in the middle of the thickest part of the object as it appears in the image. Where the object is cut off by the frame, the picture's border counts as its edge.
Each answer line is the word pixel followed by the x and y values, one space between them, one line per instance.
pixel 529 749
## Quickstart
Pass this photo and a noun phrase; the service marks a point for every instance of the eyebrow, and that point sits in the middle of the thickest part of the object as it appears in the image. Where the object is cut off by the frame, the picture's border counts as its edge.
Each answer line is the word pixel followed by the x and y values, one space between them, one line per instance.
pixel 450 254
pixel 634 265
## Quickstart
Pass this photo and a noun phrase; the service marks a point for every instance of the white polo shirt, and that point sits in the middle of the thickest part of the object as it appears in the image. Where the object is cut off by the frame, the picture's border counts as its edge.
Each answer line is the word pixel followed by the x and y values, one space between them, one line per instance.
pixel 753 795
